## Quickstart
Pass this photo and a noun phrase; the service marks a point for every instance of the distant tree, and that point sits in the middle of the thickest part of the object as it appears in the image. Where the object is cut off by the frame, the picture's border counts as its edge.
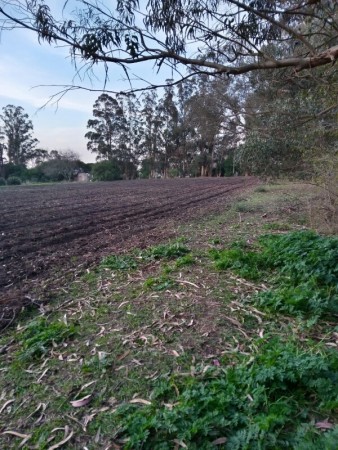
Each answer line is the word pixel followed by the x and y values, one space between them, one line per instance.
pixel 151 139
pixel 18 129
pixel 168 112
pixel 61 165
pixel 107 132
pixel 40 155
pixel 107 171
pixel 15 170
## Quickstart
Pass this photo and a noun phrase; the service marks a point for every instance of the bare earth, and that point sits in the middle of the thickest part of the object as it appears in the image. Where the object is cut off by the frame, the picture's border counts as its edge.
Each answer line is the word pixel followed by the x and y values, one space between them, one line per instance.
pixel 50 233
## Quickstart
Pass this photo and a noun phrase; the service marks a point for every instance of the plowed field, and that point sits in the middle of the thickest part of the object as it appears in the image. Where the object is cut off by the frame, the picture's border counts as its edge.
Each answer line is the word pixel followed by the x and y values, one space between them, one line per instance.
pixel 50 232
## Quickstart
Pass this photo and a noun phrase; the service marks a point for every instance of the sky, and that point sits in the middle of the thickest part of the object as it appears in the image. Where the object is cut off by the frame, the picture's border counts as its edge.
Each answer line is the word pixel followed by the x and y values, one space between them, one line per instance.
pixel 27 71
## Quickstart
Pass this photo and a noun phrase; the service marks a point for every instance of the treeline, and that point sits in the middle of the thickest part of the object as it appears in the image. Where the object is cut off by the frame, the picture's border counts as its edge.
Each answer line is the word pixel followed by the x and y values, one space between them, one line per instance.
pixel 187 131
pixel 264 123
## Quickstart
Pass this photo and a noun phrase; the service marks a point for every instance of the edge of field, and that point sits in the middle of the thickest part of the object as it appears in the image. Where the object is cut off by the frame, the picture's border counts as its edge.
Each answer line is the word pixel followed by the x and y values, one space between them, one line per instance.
pixel 114 331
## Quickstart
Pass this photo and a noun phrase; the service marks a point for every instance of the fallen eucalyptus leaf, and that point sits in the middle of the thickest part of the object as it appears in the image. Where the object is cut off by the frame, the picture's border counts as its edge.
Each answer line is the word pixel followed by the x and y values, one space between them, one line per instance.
pixel 81 401
pixel 219 441
pixel 140 400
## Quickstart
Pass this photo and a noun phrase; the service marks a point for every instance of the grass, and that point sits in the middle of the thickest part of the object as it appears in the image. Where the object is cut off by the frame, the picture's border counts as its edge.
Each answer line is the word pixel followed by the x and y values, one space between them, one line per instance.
pixel 192 343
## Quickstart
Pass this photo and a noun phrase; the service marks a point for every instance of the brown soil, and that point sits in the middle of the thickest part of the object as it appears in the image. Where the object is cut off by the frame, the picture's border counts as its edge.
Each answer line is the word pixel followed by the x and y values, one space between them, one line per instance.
pixel 50 233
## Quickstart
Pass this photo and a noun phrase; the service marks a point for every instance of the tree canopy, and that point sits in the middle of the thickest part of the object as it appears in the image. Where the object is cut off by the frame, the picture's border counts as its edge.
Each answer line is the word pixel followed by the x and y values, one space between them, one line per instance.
pixel 208 36
pixel 17 131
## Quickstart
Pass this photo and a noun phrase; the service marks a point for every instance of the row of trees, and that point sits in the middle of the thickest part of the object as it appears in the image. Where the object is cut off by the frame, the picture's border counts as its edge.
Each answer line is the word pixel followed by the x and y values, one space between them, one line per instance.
pixel 263 123
pixel 184 132
pixel 258 81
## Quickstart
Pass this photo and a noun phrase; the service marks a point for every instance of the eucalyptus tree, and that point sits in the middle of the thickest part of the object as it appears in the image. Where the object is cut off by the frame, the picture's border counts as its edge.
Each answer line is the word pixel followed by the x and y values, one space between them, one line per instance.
pixel 151 142
pixel 107 131
pixel 17 132
pixel 184 33
pixel 167 110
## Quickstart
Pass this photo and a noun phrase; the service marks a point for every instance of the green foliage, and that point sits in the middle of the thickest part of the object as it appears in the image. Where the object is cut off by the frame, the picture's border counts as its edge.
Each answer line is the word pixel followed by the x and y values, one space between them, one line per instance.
pixel 160 283
pixel 171 251
pixel 302 266
pixel 248 264
pixel 307 279
pixel 271 401
pixel 184 261
pixel 267 156
pixel 38 337
pixel 166 251
pixel 15 170
pixel 2 182
pixel 13 181
pixel 106 171
pixel 119 262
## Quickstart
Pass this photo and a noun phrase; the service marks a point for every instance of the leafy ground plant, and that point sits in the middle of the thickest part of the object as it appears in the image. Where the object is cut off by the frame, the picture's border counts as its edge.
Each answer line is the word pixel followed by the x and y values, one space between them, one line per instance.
pixel 301 266
pixel 38 337
pixel 278 399
pixel 166 251
pixel 170 251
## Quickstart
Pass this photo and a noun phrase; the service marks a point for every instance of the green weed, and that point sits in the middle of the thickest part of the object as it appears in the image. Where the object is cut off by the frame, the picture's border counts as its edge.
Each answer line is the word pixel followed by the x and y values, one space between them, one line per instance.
pixel 165 251
pixel 184 261
pixel 248 264
pixel 301 266
pixel 160 283
pixel 271 401
pixel 119 262
pixel 40 335
pixel 168 251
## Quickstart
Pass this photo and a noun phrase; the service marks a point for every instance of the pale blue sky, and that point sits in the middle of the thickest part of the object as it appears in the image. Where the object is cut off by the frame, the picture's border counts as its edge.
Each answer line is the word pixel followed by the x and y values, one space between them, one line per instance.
pixel 24 63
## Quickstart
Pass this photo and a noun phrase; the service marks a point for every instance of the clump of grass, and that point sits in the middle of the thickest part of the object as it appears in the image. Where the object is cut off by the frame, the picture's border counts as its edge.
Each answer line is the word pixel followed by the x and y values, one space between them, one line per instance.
pixel 172 250
pixel 119 262
pixel 160 283
pixel 40 335
pixel 301 266
pixel 184 261
pixel 271 401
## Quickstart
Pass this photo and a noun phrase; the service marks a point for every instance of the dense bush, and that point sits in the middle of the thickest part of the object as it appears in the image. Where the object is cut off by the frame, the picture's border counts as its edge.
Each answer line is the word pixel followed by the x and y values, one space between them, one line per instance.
pixel 2 181
pixel 11 181
pixel 106 171
pixel 15 170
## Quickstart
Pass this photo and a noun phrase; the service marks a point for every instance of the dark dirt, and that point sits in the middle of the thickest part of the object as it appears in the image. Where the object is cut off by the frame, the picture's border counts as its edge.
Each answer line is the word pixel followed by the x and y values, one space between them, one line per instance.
pixel 49 234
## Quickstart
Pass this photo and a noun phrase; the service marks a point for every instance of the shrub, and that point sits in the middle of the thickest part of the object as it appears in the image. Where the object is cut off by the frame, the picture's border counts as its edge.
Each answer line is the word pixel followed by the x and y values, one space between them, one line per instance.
pixel 13 181
pixel 106 171
pixel 2 182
